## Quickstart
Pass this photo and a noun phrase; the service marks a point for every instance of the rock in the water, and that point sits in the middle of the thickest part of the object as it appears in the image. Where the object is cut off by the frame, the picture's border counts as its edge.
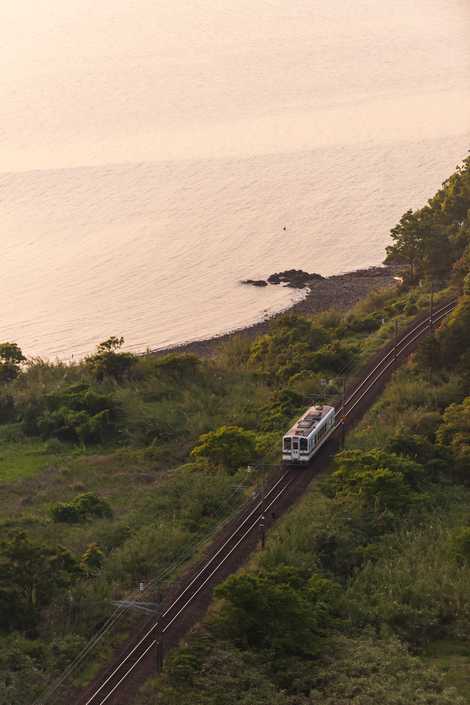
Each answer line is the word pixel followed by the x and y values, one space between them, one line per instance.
pixel 255 282
pixel 296 278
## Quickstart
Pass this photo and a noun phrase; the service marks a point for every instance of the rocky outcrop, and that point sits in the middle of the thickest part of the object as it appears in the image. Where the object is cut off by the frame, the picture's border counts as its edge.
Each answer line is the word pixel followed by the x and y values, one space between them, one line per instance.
pixel 296 278
pixel 255 282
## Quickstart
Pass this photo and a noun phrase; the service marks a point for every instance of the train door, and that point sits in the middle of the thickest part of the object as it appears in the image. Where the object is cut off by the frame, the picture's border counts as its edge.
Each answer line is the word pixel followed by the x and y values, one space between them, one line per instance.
pixel 295 449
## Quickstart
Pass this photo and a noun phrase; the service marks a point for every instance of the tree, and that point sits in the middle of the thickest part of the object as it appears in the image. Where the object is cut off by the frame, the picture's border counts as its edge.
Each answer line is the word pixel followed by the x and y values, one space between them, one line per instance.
pixel 428 354
pixel 454 433
pixel 11 358
pixel 453 338
pixel 109 362
pixel 30 575
pixel 72 414
pixel 280 610
pixel 178 365
pixel 350 462
pixel 460 544
pixel 92 560
pixel 407 245
pixel 379 481
pixel 228 446
pixel 7 408
pixel 83 508
pixel 421 242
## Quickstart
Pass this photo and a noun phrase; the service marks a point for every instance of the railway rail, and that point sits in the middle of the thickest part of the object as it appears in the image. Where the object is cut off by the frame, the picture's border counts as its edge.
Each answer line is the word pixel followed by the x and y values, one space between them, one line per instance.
pixel 144 655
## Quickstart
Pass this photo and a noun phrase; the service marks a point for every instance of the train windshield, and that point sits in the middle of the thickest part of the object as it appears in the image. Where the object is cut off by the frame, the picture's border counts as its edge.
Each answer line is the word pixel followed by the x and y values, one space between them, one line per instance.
pixel 287 443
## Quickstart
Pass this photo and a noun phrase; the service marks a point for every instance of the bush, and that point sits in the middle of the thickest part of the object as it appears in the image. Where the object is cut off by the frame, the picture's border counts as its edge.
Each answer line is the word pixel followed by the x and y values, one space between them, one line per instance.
pixel 370 670
pixel 229 446
pixel 75 413
pixel 7 409
pixel 83 508
pixel 366 324
pixel 177 366
pixel 108 362
pixel 282 610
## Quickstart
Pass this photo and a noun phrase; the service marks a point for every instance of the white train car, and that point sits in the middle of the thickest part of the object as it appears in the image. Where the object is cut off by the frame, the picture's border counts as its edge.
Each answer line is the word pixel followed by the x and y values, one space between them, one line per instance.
pixel 306 436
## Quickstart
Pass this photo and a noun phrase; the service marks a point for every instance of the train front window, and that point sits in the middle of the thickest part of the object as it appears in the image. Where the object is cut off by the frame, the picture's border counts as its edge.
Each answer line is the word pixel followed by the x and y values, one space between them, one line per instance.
pixel 287 443
pixel 296 444
pixel 303 444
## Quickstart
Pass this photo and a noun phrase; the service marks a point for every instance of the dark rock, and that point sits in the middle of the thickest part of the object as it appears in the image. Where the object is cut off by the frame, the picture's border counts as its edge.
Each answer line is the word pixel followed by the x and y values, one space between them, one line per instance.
pixel 295 278
pixel 255 282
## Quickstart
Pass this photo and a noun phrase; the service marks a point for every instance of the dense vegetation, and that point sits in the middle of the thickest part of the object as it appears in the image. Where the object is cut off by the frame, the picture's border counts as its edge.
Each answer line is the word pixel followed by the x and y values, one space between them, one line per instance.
pixel 367 582
pixel 115 471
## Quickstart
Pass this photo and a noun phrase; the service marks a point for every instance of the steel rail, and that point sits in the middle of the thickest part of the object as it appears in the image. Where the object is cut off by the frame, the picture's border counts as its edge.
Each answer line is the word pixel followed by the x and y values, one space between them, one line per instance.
pixel 435 319
pixel 399 347
pixel 219 558
pixel 136 663
pixel 196 592
pixel 181 595
pixel 254 524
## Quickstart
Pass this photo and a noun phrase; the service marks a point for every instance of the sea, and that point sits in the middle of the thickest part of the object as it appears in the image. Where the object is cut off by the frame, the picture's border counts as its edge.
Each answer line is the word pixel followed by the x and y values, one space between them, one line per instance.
pixel 155 154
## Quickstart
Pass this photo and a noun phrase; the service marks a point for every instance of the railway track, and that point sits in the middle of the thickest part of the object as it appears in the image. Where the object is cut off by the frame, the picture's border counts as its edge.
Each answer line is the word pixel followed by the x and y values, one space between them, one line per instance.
pixel 144 655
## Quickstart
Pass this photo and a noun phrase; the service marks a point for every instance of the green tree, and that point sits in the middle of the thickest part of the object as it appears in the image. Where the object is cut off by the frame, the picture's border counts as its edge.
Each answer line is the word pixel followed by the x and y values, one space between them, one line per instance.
pixel 84 507
pixel 7 408
pixel 178 366
pixel 380 482
pixel 281 610
pixel 421 242
pixel 228 446
pixel 108 361
pixel 453 338
pixel 11 359
pixel 460 544
pixel 30 575
pixel 92 559
pixel 350 462
pixel 407 245
pixel 454 433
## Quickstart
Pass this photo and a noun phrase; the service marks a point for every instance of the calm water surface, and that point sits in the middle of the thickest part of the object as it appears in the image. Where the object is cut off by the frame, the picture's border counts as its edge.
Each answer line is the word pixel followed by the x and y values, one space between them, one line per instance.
pixel 152 153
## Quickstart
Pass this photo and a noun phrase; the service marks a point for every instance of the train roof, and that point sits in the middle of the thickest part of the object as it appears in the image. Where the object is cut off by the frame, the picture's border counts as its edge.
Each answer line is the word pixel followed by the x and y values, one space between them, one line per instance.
pixel 310 420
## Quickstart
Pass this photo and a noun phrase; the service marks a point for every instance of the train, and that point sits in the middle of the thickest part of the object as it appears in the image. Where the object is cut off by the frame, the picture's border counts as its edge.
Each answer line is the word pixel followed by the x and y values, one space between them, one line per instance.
pixel 308 434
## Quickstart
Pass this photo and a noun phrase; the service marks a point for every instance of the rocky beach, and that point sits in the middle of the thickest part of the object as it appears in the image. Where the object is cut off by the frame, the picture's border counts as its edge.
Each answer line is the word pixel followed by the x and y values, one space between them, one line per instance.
pixel 340 291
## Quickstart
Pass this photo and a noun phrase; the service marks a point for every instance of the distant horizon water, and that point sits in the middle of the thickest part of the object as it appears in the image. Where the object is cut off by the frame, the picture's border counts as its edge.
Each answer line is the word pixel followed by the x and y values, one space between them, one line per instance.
pixel 152 156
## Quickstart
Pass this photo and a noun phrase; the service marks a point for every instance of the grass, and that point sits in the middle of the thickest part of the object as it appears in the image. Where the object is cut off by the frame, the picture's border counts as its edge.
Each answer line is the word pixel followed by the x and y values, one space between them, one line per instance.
pixel 451 657
pixel 21 461
pixel 162 509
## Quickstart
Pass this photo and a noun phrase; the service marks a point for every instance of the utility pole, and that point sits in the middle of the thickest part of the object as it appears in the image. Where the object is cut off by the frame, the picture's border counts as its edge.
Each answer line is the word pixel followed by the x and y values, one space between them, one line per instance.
pixel 262 530
pixel 343 414
pixel 395 342
pixel 431 304
pixel 159 655
pixel 262 522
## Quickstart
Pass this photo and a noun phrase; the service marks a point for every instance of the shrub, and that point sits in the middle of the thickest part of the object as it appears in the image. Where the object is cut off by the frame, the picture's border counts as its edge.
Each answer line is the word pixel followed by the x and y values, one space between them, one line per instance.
pixel 31 573
pixel 281 610
pixel 92 559
pixel 83 508
pixel 366 324
pixel 73 414
pixel 177 366
pixel 108 362
pixel 7 408
pixel 11 359
pixel 228 446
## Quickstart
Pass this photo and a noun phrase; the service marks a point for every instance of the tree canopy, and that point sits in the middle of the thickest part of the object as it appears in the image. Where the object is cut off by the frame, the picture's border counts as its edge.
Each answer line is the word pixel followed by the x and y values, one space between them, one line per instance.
pixel 228 446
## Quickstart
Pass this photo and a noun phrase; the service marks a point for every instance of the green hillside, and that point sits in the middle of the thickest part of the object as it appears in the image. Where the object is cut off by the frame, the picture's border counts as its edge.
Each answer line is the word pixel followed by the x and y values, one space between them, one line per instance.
pixel 116 471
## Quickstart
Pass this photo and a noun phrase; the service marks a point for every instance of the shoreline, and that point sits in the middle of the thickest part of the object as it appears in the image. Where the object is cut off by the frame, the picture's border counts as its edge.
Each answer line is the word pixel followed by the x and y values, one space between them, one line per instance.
pixel 339 291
